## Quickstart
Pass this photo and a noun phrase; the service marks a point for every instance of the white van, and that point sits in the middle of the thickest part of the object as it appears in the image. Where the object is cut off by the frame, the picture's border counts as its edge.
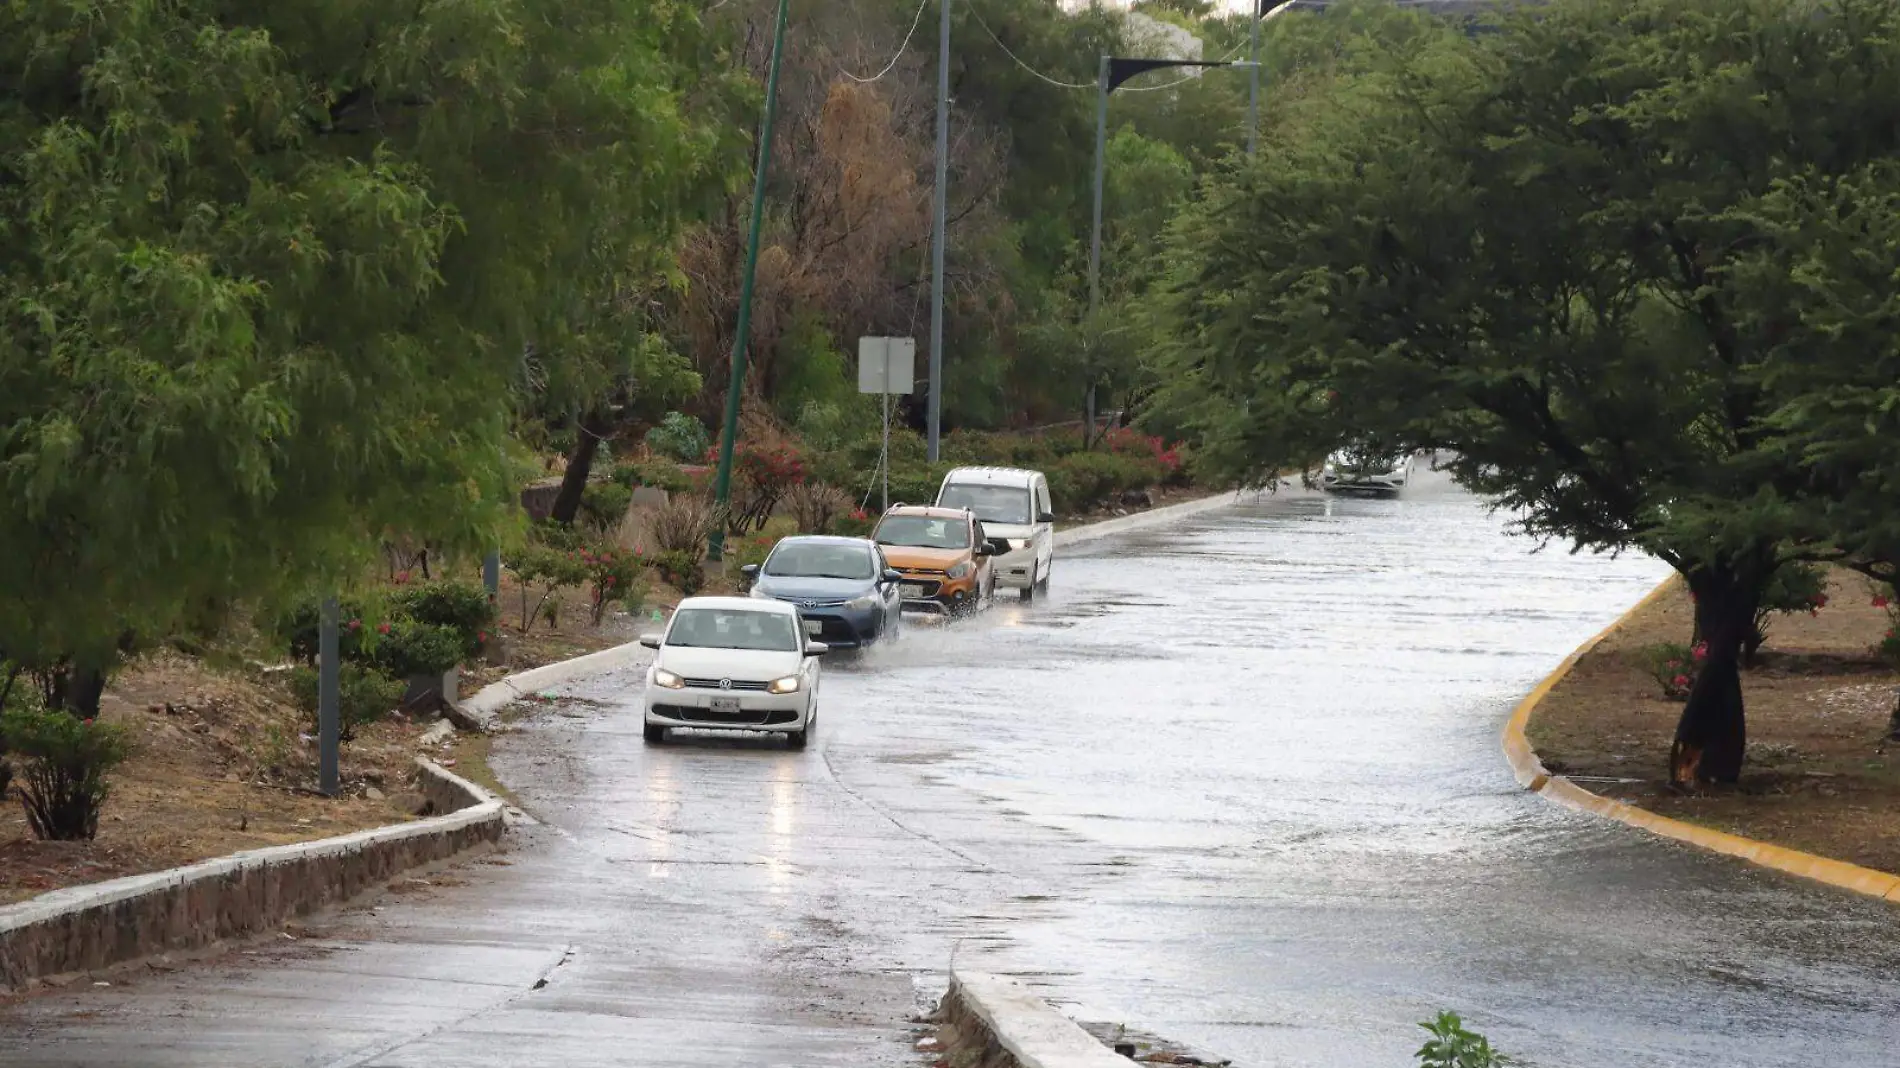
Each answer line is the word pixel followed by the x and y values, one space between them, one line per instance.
pixel 1014 507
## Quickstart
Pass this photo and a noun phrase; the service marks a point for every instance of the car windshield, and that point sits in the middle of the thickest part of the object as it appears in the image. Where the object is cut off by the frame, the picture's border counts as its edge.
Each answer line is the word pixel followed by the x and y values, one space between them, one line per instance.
pixel 1368 459
pixel 733 628
pixel 992 504
pixel 808 559
pixel 923 532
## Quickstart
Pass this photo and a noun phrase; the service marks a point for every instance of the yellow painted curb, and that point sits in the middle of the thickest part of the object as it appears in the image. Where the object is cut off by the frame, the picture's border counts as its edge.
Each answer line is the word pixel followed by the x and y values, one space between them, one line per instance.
pixel 1532 775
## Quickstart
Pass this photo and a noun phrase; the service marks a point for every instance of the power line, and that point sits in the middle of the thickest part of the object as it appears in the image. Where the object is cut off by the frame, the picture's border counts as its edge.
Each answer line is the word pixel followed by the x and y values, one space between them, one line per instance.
pixel 915 21
pixel 999 43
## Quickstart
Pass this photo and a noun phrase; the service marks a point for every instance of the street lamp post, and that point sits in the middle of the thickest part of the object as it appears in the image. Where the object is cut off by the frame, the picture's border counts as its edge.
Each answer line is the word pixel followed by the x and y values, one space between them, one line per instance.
pixel 1113 72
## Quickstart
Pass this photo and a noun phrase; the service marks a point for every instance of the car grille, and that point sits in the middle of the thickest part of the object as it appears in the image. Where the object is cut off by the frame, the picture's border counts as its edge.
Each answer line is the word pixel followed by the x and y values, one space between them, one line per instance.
pixel 734 684
pixel 835 630
pixel 742 717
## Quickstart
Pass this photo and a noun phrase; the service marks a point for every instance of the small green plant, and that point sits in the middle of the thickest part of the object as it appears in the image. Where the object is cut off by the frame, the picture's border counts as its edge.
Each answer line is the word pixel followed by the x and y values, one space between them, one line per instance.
pixel 463 607
pixel 540 570
pixel 1451 1046
pixel 364 695
pixel 659 474
pixel 679 437
pixel 604 505
pixel 1798 587
pixel 611 572
pixel 63 763
pixel 1675 666
pixel 751 549
pixel 682 571
pixel 409 647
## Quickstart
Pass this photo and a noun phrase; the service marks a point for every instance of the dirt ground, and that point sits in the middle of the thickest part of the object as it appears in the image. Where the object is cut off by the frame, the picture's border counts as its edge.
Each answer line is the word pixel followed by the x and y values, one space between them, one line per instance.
pixel 1820 776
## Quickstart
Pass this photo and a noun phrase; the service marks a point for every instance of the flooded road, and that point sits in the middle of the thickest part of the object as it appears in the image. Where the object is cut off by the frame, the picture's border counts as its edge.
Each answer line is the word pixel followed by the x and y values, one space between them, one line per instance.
pixel 1236 782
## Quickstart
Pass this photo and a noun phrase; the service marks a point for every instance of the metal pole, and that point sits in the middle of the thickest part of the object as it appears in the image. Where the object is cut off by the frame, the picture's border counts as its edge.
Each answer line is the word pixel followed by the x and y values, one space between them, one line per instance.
pixel 1095 237
pixel 491 572
pixel 329 690
pixel 884 403
pixel 934 404
pixel 722 486
pixel 1253 80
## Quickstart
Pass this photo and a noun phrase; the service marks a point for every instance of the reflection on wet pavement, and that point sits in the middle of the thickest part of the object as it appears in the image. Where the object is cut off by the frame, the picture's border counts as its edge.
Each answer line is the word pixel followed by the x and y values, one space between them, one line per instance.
pixel 1235 782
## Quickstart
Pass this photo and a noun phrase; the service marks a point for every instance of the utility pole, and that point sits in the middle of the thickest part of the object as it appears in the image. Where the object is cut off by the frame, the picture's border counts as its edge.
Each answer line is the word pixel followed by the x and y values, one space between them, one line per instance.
pixel 934 404
pixel 1095 243
pixel 722 486
pixel 329 694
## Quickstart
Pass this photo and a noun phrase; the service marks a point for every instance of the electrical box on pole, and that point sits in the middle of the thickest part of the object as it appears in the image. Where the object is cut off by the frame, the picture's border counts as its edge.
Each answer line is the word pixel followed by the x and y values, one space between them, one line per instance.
pixel 887 366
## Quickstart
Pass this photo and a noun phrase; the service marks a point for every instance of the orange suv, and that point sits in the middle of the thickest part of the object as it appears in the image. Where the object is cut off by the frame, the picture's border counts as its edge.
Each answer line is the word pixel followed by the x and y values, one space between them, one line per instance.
pixel 941 553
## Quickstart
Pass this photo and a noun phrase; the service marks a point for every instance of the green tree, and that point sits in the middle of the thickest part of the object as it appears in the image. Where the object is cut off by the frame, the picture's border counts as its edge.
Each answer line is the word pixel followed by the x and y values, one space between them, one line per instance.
pixel 1550 250
pixel 266 273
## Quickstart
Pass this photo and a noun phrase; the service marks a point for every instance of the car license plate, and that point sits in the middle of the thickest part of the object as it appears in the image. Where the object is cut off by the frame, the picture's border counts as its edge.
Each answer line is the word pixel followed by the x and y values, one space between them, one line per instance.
pixel 725 704
pixel 912 589
pixel 814 628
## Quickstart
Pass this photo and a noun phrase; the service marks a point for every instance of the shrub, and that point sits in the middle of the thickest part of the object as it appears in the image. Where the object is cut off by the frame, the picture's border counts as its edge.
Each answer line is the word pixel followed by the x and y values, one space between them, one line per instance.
pixel 659 474
pixel 682 571
pixel 364 695
pixel 1675 666
pixel 1798 587
pixel 604 506
pixel 63 762
pixel 1451 1046
pixel 856 524
pixel 405 648
pixel 814 505
pixel 684 524
pixel 298 629
pixel 1085 480
pixel 611 573
pixel 761 476
pixel 751 549
pixel 463 607
pixel 680 437
pixel 540 570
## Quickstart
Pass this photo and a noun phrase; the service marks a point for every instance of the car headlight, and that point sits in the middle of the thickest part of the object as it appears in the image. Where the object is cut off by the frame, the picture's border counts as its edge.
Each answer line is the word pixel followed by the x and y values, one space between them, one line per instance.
pixel 863 604
pixel 667 680
pixel 1017 544
pixel 788 684
pixel 960 569
pixel 762 595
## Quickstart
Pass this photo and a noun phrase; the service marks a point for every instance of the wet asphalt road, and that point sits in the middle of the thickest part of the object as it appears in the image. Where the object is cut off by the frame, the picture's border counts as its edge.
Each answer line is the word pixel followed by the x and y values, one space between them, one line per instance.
pixel 1236 782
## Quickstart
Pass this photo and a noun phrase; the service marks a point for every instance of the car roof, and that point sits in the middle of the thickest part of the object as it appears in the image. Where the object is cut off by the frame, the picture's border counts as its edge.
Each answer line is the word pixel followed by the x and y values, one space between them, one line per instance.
pixel 751 604
pixel 823 539
pixel 992 476
pixel 929 510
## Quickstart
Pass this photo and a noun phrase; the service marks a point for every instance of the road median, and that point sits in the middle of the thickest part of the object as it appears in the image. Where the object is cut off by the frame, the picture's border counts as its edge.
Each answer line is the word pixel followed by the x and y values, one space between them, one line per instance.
pixel 1594 705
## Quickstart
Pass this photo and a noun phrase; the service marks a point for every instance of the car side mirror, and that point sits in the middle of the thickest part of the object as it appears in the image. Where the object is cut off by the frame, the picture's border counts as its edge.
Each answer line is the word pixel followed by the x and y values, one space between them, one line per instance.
pixel 816 648
pixel 1045 517
pixel 891 574
pixel 651 641
pixel 750 571
pixel 984 548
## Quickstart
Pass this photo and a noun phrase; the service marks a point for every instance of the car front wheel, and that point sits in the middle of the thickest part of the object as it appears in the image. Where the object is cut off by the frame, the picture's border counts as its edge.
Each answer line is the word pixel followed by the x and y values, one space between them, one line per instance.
pixel 799 739
pixel 1028 592
pixel 654 734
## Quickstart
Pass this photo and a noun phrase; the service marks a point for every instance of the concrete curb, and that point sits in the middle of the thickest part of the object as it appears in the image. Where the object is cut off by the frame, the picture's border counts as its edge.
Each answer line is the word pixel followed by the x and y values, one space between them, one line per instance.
pixel 478 713
pixel 86 928
pixel 1532 774
pixel 1151 517
pixel 1005 1026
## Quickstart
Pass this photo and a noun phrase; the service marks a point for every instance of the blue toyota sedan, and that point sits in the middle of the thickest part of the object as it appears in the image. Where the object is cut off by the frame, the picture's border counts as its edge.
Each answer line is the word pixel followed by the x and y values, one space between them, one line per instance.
pixel 845 590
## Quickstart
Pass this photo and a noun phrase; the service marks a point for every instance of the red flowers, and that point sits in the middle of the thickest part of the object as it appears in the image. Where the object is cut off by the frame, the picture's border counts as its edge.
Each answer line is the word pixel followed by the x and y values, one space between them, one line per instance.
pixel 1881 600
pixel 1682 681
pixel 1816 603
pixel 355 625
pixel 481 636
pixel 1701 651
pixel 382 628
pixel 402 578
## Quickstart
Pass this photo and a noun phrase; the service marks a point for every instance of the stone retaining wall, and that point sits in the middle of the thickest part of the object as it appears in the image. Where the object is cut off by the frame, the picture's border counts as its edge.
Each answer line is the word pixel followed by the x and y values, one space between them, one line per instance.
pixel 84 928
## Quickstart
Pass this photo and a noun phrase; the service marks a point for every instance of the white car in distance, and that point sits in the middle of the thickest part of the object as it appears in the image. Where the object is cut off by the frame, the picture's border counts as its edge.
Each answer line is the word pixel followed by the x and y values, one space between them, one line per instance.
pixel 735 664
pixel 1360 469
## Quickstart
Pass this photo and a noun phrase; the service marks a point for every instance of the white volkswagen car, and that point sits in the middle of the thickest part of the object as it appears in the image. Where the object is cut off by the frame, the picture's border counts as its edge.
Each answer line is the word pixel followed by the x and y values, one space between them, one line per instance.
pixel 733 663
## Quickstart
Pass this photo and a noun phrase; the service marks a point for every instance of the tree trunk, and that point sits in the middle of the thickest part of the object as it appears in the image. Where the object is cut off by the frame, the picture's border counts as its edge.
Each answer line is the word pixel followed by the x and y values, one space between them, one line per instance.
pixel 1893 719
pixel 1712 735
pixel 580 464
